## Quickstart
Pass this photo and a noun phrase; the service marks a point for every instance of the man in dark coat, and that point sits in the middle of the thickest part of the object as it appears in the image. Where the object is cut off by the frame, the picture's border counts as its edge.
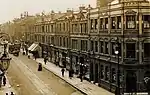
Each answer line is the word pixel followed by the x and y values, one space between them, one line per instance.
pixel 62 71
pixel 4 80
pixel 40 67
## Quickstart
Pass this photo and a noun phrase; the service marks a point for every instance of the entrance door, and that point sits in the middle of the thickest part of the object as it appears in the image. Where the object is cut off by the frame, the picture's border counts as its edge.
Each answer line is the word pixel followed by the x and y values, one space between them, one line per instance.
pixel 131 80
pixel 96 73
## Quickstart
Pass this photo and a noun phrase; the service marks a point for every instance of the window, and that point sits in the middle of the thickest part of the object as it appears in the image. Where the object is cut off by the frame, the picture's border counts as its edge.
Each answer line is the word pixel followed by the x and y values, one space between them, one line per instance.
pixel 101 47
pixel 146 21
pixel 146 50
pixel 52 28
pixel 119 22
pixel 101 23
pixel 81 26
pixel 60 41
pixel 92 45
pixel 64 42
pixel 74 44
pixel 130 22
pixel 106 23
pixel 113 22
pixel 102 73
pixel 106 73
pixel 113 75
pixel 42 28
pixel 92 24
pixel 96 24
pixel 106 47
pixel 96 46
pixel 64 26
pixel 60 28
pixel 84 45
pixel 76 28
pixel 85 27
pixel 113 46
pixel 130 52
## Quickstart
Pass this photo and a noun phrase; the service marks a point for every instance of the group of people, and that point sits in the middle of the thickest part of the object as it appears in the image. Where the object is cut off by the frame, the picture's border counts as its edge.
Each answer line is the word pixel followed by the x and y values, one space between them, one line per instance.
pixel 10 93
pixel 71 72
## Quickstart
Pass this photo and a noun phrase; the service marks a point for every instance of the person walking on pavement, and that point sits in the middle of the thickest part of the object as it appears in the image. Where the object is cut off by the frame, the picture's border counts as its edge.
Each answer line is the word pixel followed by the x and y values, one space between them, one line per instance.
pixel 4 80
pixel 45 60
pixel 40 67
pixel 6 93
pixel 81 77
pixel 12 93
pixel 62 71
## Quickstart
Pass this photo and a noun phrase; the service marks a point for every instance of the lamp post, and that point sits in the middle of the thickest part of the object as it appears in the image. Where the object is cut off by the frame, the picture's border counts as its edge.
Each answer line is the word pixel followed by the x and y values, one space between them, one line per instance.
pixel 118 67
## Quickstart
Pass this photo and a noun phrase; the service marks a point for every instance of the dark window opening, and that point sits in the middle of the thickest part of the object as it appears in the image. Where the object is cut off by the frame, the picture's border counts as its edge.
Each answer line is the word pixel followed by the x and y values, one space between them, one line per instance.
pixel 102 72
pixel 92 24
pixel 146 50
pixel 42 28
pixel 92 45
pixel 101 47
pixel 106 73
pixel 101 23
pixel 146 21
pixel 113 46
pixel 106 23
pixel 106 47
pixel 95 24
pixel 130 52
pixel 96 46
pixel 113 75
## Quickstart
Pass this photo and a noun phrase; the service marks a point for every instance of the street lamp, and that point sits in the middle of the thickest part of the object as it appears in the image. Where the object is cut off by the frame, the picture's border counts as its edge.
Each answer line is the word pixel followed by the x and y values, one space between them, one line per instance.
pixel 118 68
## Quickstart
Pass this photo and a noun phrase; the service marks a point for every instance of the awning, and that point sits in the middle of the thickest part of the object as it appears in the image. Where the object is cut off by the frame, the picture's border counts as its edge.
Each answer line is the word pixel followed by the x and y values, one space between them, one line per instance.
pixel 31 46
pixel 35 47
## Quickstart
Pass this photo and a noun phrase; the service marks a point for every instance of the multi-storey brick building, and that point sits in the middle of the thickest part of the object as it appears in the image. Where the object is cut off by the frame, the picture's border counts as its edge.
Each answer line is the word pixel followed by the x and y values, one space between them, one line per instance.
pixel 89 37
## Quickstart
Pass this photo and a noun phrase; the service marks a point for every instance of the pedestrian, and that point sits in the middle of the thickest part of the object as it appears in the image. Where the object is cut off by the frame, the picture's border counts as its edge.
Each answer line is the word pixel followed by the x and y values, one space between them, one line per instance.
pixel 4 80
pixel 70 75
pixel 45 60
pixel 62 71
pixel 28 56
pixel 35 56
pixel 81 77
pixel 6 93
pixel 12 93
pixel 40 67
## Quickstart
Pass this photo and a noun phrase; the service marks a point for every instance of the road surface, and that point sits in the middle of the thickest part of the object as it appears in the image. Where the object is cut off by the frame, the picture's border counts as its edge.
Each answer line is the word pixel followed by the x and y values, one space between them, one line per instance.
pixel 26 80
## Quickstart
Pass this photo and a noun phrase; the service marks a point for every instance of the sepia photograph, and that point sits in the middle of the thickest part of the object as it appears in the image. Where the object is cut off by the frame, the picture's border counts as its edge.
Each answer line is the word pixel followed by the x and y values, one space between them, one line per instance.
pixel 75 47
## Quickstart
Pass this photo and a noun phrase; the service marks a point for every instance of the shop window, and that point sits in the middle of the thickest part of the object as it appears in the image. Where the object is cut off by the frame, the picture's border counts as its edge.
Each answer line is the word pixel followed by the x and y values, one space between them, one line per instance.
pixel 101 23
pixel 106 47
pixel 96 46
pixel 146 50
pixel 130 50
pixel 130 22
pixel 113 22
pixel 106 23
pixel 146 21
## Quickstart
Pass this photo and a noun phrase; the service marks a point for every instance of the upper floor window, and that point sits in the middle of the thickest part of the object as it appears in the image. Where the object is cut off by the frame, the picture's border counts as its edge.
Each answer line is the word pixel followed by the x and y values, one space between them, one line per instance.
pixel 52 28
pixel 64 26
pixel 42 28
pixel 130 50
pixel 92 24
pixel 130 21
pixel 106 23
pixel 113 22
pixel 85 27
pixel 101 47
pixel 146 21
pixel 74 43
pixel 96 24
pixel 118 22
pixel 96 46
pixel 101 23
pixel 146 50
pixel 84 45
pixel 92 45
pixel 106 48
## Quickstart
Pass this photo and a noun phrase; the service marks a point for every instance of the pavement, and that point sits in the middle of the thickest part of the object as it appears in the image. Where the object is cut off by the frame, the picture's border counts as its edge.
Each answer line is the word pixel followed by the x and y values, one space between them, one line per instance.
pixel 7 88
pixel 85 87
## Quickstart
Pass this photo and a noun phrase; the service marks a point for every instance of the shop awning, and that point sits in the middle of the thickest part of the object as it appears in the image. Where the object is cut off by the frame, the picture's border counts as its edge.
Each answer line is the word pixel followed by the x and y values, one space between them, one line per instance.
pixel 35 47
pixel 31 46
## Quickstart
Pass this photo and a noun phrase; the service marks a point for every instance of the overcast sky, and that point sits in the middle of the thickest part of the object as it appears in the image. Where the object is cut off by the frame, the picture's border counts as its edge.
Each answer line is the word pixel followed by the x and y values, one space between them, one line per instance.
pixel 10 9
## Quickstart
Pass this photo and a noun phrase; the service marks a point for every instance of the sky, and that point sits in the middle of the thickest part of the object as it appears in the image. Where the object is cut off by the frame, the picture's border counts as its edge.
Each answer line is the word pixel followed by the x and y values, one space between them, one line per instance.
pixel 10 9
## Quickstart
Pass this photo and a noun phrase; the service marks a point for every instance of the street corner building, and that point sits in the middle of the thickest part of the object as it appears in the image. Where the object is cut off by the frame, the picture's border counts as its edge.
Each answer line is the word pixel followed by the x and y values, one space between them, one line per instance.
pixel 86 40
